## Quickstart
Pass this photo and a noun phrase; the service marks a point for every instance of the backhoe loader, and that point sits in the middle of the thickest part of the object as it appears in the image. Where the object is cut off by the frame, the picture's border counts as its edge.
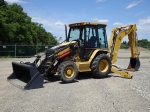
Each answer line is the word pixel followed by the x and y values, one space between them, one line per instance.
pixel 85 50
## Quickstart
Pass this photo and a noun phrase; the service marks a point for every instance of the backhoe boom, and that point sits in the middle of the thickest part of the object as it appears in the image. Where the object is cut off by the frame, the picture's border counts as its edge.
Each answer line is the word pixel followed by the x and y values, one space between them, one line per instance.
pixel 117 36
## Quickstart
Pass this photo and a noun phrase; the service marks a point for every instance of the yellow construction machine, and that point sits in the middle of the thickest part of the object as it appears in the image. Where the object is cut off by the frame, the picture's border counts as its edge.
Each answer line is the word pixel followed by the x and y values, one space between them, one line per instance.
pixel 85 49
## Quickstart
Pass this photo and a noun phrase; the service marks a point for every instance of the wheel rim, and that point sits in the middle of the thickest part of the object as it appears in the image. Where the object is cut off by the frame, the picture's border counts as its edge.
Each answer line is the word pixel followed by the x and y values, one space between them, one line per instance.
pixel 69 72
pixel 103 65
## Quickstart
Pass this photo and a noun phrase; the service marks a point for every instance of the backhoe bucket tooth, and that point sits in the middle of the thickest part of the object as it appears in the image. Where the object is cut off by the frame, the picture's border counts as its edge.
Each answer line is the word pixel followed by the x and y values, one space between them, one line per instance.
pixel 25 76
pixel 134 64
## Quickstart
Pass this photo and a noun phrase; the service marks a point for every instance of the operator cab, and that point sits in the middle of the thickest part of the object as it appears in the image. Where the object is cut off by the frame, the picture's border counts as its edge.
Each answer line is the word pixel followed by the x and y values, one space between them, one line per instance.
pixel 90 37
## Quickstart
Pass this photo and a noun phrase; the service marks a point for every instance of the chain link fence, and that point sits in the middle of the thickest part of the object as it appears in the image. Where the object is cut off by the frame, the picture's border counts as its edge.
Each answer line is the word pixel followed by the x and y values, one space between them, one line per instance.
pixel 145 46
pixel 127 47
pixel 16 51
pixel 7 50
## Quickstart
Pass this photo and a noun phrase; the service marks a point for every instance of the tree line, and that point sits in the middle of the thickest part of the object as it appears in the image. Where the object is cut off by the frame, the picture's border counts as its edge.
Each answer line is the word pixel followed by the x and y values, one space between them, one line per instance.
pixel 142 43
pixel 16 27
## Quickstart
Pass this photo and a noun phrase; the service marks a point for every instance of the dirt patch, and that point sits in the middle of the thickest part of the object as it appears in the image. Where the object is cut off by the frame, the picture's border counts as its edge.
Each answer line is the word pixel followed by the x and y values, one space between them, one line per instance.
pixel 87 94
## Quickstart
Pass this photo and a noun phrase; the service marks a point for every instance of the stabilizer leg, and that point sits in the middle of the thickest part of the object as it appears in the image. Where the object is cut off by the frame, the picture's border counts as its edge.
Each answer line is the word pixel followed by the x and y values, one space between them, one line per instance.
pixel 123 74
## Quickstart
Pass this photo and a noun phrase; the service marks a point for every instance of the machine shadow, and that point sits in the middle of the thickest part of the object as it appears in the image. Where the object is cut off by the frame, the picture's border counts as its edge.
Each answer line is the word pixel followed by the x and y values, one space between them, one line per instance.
pixel 51 78
pixel 81 76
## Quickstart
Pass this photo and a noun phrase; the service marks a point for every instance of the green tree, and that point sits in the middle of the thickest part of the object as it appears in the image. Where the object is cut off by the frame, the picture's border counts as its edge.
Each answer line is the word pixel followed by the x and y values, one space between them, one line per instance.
pixel 143 42
pixel 124 45
pixel 1 2
pixel 16 27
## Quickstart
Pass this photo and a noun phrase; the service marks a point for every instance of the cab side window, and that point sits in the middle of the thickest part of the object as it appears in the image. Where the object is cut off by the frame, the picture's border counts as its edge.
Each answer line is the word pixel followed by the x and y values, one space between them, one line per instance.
pixel 91 37
pixel 102 38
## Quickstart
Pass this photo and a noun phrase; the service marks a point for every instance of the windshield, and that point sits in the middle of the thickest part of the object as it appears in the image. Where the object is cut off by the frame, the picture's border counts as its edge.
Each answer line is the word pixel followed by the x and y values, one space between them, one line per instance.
pixel 75 33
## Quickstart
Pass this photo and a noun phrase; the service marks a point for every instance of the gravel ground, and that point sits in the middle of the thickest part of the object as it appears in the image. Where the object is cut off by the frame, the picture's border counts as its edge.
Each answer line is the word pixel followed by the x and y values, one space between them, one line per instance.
pixel 87 94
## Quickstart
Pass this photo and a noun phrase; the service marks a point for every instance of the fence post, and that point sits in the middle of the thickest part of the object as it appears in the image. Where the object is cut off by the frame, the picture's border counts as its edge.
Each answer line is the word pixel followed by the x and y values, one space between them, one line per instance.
pixel 15 50
pixel 36 48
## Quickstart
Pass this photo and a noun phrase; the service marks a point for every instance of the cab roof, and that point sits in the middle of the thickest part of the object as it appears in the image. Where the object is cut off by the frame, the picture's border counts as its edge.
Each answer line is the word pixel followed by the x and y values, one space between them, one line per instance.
pixel 86 23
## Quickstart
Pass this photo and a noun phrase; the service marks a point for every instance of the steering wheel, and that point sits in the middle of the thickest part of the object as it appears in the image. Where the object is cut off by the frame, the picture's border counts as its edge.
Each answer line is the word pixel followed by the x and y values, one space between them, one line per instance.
pixel 80 41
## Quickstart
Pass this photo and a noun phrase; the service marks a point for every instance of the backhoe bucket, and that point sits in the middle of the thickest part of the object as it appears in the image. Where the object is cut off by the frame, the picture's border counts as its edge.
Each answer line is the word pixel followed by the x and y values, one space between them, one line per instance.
pixel 134 64
pixel 25 76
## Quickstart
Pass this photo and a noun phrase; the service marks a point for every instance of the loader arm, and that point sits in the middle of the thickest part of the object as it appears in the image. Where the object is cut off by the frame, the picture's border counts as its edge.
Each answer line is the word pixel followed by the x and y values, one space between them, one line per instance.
pixel 117 36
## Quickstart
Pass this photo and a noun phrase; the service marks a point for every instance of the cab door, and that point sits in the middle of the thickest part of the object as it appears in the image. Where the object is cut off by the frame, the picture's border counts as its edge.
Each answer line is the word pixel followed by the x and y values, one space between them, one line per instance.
pixel 95 39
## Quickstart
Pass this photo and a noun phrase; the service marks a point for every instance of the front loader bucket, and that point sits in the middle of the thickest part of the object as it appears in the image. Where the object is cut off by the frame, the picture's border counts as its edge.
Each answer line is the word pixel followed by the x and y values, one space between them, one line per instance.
pixel 134 64
pixel 25 76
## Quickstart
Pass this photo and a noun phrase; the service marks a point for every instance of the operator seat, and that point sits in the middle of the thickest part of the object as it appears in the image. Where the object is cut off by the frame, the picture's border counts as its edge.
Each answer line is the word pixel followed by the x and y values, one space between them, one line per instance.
pixel 92 41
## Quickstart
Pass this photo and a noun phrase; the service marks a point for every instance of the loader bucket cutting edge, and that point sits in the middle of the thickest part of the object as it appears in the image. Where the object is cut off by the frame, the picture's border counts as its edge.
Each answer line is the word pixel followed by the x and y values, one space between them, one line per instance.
pixel 134 64
pixel 25 76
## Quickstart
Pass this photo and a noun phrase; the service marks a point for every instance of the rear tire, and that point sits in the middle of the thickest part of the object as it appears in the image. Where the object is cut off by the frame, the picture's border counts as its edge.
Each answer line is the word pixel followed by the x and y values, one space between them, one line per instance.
pixel 101 66
pixel 67 71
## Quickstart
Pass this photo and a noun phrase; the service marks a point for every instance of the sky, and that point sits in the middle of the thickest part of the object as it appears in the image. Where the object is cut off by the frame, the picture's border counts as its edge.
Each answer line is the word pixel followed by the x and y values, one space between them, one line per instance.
pixel 53 14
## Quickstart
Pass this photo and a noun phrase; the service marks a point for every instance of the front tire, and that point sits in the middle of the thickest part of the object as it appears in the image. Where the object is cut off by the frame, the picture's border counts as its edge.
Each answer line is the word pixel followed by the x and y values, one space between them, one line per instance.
pixel 101 66
pixel 67 71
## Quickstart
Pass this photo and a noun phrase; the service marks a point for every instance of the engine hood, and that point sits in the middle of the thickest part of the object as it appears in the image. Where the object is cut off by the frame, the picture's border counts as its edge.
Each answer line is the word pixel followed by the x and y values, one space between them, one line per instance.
pixel 54 49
